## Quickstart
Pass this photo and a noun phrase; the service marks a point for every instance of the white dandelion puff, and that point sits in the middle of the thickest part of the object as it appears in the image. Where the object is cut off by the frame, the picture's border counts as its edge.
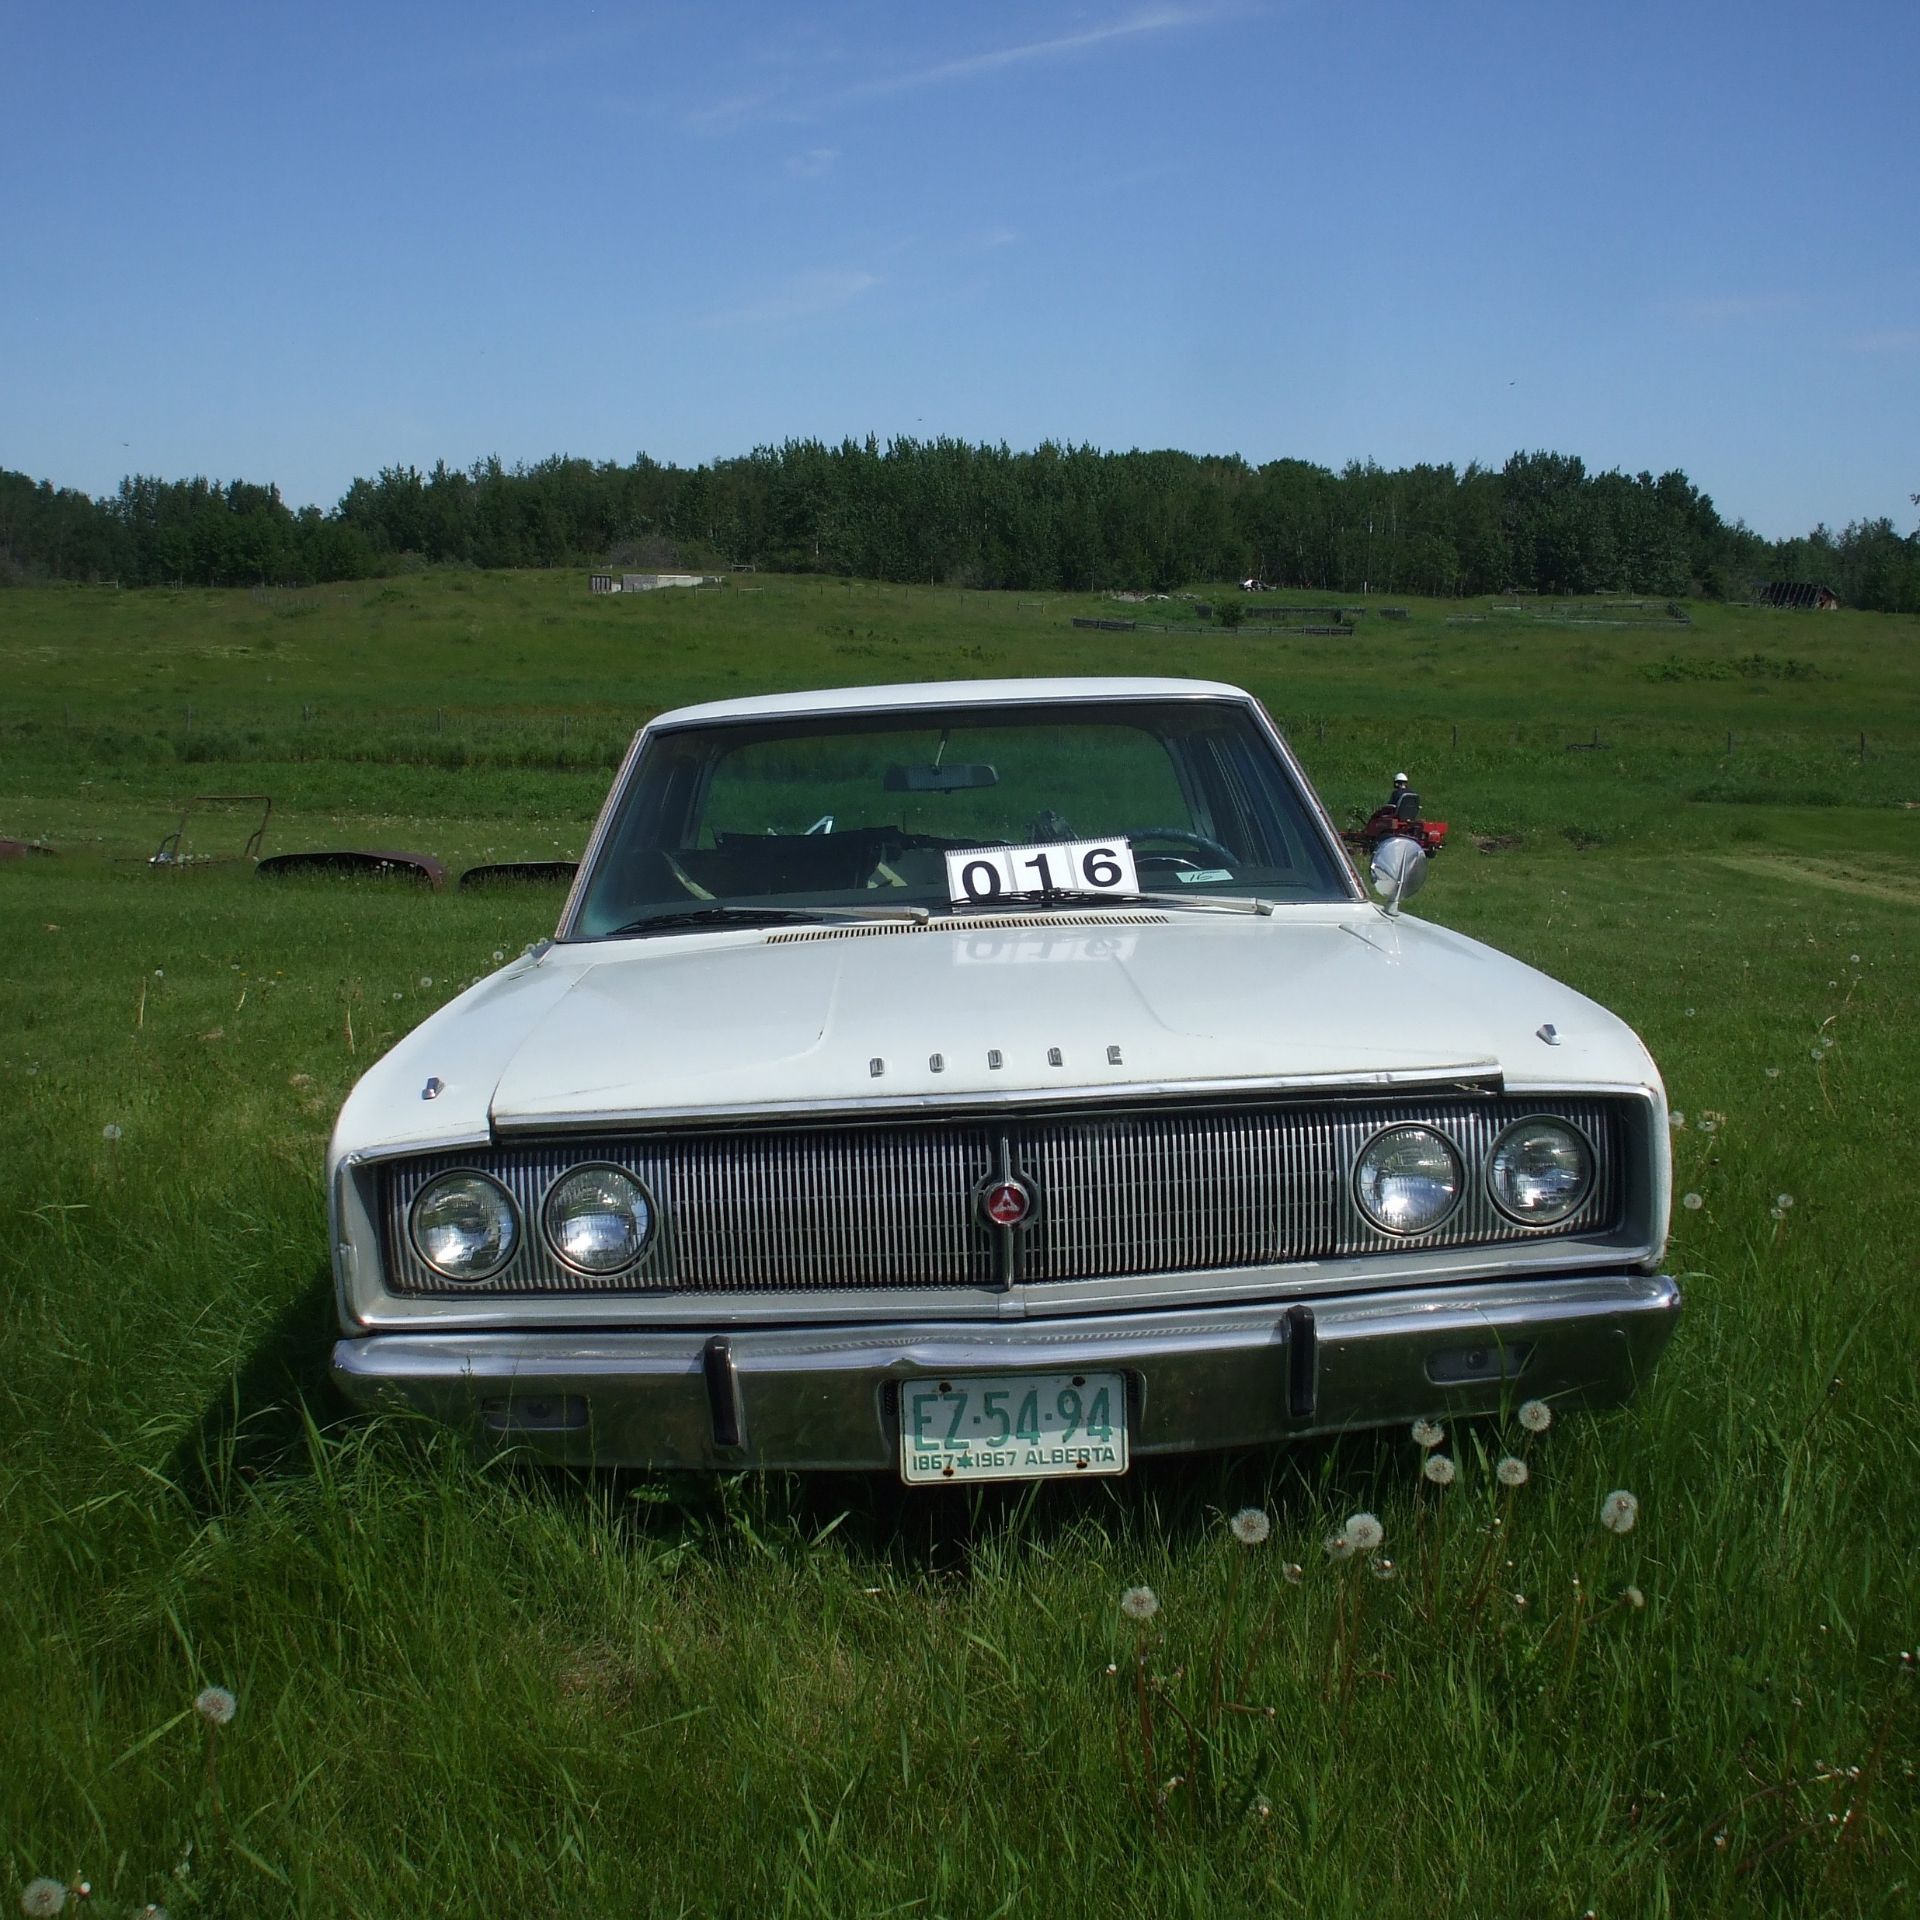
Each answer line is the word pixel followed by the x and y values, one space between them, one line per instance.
pixel 1773 1073
pixel 499 954
pixel 1633 1597
pixel 1439 1469
pixel 42 1896
pixel 1819 1054
pixel 1338 1546
pixel 1293 1572
pixel 159 973
pixel 1833 983
pixel 1783 1201
pixel 1535 1415
pixel 1511 1472
pixel 1140 1603
pixel 110 1132
pixel 1676 1119
pixel 1619 1510
pixel 1777 1213
pixel 1709 1126
pixel 426 980
pixel 396 993
pixel 1250 1526
pixel 1853 959
pixel 1692 1202
pixel 215 1705
pixel 1429 1433
pixel 1364 1532
pixel 1381 1567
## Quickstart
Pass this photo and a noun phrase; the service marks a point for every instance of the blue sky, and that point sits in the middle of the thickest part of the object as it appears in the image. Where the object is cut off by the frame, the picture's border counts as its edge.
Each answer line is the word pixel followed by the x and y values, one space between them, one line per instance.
pixel 299 244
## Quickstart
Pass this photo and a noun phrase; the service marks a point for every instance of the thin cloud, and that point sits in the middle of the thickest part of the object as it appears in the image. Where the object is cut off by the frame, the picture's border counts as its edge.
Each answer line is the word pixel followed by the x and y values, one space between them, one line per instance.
pixel 802 296
pixel 1720 309
pixel 1888 340
pixel 815 164
pixel 1140 23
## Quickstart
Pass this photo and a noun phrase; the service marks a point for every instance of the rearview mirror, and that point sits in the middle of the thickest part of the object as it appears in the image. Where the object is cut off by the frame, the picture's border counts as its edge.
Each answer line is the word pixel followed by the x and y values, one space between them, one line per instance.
pixel 955 779
pixel 1399 869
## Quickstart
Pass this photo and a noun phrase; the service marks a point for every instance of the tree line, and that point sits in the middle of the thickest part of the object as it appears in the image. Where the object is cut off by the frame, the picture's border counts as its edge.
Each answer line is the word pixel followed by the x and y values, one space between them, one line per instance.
pixel 1059 518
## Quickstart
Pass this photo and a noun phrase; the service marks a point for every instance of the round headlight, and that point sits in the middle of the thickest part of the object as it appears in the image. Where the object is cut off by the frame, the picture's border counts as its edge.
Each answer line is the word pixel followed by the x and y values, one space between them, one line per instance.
pixel 598 1219
pixel 464 1226
pixel 1541 1171
pixel 1408 1180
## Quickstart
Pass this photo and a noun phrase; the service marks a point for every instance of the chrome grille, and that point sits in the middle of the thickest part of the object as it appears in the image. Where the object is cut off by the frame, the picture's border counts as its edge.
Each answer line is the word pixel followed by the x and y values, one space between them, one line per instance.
pixel 1166 1191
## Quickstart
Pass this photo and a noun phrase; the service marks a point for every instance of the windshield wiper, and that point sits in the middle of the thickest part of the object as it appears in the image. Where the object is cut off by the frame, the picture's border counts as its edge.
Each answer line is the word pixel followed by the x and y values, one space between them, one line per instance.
pixel 1088 902
pixel 721 914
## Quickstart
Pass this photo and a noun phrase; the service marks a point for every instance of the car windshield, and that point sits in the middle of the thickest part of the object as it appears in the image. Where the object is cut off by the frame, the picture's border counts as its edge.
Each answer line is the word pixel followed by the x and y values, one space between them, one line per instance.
pixel 850 814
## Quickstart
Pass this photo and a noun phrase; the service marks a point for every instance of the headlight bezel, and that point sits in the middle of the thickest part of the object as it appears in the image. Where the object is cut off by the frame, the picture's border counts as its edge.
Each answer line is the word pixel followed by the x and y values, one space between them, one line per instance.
pixel 1454 1153
pixel 649 1237
pixel 1535 1222
pixel 511 1241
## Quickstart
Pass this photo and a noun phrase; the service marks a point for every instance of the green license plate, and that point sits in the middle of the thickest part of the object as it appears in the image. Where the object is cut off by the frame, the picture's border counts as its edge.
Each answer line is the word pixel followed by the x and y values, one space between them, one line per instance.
pixel 1012 1426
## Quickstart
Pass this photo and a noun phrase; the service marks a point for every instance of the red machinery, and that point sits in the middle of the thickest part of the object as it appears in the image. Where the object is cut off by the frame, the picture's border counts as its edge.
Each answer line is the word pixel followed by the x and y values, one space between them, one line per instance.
pixel 1399 815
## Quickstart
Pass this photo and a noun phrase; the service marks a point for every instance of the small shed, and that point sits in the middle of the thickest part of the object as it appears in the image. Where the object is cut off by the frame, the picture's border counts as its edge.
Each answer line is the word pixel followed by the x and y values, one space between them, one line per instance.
pixel 602 583
pixel 1803 596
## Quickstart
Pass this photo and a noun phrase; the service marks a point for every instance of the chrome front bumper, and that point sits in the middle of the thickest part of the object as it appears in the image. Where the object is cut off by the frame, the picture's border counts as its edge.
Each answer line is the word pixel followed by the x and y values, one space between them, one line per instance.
pixel 1198 1380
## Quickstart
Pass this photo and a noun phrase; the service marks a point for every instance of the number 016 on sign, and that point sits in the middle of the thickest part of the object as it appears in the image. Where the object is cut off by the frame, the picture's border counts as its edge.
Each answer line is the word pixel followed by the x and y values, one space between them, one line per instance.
pixel 978 876
pixel 1013 1426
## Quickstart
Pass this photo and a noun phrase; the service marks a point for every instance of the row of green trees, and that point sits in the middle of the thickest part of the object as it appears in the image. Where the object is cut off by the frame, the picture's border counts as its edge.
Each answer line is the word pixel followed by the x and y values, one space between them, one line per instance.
pixel 1058 518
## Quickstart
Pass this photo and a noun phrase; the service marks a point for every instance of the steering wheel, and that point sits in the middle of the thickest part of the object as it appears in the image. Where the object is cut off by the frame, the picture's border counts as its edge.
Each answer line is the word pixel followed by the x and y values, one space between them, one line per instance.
pixel 1214 851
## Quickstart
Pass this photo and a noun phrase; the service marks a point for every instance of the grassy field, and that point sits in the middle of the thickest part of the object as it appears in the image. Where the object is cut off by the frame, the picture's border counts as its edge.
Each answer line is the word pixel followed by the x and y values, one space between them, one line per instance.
pixel 466 1686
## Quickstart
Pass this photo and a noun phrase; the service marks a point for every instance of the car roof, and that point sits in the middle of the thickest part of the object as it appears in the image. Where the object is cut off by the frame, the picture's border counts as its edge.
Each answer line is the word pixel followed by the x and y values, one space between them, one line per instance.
pixel 949 693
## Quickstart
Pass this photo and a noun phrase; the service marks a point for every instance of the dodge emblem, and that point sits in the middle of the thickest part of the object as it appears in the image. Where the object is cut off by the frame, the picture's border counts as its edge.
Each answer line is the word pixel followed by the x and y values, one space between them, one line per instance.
pixel 1007 1203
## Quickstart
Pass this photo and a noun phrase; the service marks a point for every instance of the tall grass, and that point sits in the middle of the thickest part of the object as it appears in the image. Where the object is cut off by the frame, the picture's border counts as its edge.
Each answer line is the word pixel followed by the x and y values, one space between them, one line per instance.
pixel 465 1684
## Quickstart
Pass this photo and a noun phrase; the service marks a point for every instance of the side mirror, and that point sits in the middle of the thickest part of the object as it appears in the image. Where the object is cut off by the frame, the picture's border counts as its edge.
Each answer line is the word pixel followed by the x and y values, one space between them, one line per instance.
pixel 1399 869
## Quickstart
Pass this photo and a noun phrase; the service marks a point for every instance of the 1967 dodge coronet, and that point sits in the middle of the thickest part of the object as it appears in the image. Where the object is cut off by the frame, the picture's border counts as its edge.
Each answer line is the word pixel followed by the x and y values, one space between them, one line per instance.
pixel 986 1081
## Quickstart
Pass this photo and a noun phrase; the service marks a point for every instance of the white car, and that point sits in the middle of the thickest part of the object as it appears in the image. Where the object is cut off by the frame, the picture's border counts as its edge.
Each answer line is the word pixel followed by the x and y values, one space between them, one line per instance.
pixel 993 1080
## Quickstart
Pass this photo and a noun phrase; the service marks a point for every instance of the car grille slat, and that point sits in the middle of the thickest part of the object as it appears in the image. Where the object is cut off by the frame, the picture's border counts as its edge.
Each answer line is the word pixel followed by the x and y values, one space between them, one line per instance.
pixel 1169 1190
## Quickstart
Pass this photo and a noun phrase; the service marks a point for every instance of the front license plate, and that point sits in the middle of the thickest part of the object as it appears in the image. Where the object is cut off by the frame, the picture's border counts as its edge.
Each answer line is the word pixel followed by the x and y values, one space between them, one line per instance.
pixel 1012 1426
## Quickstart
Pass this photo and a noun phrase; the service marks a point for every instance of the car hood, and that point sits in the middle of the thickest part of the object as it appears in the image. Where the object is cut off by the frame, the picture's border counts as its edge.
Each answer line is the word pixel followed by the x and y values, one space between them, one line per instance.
pixel 747 1022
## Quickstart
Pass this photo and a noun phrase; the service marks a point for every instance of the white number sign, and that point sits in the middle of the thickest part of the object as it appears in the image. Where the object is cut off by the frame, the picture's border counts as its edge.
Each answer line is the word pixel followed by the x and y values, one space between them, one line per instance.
pixel 979 876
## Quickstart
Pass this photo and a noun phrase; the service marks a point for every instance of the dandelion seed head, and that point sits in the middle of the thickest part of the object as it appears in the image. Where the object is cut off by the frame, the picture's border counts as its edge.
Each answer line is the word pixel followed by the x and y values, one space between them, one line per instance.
pixel 1512 1472
pixel 1619 1510
pixel 1294 1572
pixel 1692 1202
pixel 159 973
pixel 499 954
pixel 1709 1126
pixel 1773 1073
pixel 1381 1567
pixel 1429 1433
pixel 1833 983
pixel 1777 1213
pixel 1853 959
pixel 1535 1415
pixel 1819 1054
pixel 1633 1597
pixel 1364 1532
pixel 215 1705
pixel 111 1131
pixel 426 979
pixel 1140 1603
pixel 396 993
pixel 1676 1119
pixel 42 1896
pixel 1439 1469
pixel 1250 1526
pixel 1783 1201
pixel 1689 1013
pixel 1338 1546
